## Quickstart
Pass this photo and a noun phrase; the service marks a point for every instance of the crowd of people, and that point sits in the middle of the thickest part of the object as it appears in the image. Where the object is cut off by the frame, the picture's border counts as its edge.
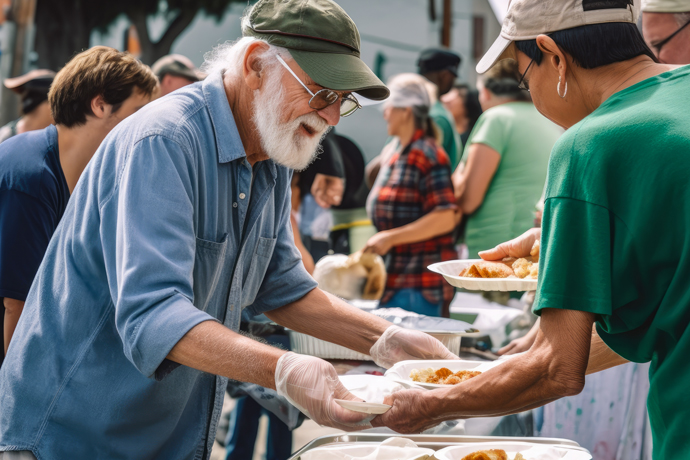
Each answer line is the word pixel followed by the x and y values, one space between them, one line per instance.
pixel 147 214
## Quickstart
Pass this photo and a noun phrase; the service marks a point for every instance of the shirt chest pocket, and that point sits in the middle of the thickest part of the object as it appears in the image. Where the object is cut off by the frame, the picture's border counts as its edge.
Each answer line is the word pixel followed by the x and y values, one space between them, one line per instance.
pixel 208 267
pixel 257 269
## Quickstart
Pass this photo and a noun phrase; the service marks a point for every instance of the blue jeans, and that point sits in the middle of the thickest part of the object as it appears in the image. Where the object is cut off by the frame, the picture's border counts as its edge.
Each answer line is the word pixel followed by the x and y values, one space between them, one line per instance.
pixel 413 300
pixel 244 425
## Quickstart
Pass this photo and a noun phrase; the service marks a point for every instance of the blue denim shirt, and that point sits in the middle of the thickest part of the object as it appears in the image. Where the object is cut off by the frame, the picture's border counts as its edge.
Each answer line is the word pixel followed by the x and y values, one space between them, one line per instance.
pixel 165 229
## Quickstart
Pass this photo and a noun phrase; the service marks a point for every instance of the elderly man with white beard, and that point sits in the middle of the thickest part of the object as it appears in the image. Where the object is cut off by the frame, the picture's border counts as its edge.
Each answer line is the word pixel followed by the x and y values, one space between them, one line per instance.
pixel 178 224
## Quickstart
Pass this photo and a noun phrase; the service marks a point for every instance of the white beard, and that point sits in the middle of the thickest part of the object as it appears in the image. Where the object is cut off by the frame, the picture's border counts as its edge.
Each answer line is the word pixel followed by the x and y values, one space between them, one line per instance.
pixel 284 142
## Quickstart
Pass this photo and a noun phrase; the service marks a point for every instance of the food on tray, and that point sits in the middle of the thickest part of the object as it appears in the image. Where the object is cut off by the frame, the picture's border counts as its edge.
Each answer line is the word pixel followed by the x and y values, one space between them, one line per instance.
pixel 525 268
pixel 493 454
pixel 442 376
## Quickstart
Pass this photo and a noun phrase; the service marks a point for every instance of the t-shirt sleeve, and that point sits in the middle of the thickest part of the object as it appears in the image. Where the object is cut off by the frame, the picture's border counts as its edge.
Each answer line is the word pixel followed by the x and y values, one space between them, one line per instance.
pixel 490 131
pixel 26 226
pixel 448 132
pixel 585 262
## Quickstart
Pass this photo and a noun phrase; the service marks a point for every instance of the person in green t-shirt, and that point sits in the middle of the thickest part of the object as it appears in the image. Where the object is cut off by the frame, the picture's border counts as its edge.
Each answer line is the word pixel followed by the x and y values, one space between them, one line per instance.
pixel 440 67
pixel 504 165
pixel 615 225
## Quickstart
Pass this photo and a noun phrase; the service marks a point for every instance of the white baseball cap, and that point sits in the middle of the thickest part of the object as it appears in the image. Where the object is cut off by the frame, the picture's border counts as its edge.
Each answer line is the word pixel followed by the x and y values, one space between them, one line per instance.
pixel 666 6
pixel 527 19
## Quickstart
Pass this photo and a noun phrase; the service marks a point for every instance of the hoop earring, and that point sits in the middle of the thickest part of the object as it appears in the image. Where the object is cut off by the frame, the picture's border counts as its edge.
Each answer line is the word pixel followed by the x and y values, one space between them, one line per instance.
pixel 558 88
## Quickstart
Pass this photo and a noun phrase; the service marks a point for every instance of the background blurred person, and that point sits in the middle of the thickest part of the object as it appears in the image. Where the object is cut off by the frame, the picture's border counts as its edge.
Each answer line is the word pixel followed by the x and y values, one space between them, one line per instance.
pixel 96 90
pixel 412 203
pixel 33 90
pixel 666 29
pixel 504 165
pixel 440 67
pixel 175 71
pixel 463 104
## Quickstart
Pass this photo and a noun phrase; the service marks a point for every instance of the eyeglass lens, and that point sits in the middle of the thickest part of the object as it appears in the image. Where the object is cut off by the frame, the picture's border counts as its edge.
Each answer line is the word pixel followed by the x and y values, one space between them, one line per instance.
pixel 326 97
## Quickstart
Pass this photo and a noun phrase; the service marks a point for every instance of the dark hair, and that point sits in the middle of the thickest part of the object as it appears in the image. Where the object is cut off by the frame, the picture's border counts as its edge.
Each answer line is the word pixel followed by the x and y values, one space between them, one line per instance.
pixel 502 80
pixel 422 120
pixel 97 71
pixel 594 45
pixel 473 108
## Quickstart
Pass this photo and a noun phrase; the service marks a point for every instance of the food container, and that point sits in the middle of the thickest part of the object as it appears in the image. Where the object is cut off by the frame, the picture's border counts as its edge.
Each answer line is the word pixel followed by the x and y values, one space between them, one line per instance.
pixel 451 270
pixel 400 372
pixel 438 443
pixel 307 345
pixel 529 450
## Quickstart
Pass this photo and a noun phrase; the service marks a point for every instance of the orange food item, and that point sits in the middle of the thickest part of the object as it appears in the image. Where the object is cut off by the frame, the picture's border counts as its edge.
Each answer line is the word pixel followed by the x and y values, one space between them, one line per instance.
pixel 486 269
pixel 493 454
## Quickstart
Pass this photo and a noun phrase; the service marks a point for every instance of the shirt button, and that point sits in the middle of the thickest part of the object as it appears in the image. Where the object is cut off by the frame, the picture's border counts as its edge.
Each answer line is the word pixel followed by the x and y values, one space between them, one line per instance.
pixel 234 205
pixel 242 196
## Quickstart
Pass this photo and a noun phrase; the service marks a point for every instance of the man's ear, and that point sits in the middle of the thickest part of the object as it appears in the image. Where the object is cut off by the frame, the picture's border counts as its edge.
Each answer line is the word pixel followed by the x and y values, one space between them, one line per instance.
pixel 252 68
pixel 99 107
pixel 553 55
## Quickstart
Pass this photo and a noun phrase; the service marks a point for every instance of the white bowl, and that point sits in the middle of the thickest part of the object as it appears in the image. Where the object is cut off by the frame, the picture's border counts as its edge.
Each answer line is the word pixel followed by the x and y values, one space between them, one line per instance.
pixel 531 451
pixel 451 270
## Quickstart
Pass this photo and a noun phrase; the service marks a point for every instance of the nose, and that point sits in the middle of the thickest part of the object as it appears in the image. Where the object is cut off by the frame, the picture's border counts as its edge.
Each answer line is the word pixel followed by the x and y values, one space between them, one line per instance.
pixel 331 113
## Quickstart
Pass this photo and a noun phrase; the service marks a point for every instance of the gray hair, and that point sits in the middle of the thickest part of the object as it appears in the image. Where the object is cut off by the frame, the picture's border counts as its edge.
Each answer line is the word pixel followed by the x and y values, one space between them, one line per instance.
pixel 229 56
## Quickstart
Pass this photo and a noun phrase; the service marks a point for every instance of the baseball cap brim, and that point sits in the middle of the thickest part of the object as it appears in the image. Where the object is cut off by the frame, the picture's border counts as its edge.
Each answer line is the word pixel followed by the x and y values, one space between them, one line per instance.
pixel 501 49
pixel 341 72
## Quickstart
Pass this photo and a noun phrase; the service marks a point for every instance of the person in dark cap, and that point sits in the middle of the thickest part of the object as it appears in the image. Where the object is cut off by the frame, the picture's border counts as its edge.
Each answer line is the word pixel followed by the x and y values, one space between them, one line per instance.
pixel 33 90
pixel 180 222
pixel 440 67
pixel 175 71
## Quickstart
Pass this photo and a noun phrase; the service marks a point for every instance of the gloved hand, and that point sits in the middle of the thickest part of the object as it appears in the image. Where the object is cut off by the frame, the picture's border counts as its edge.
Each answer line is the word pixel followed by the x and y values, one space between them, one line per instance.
pixel 311 384
pixel 398 344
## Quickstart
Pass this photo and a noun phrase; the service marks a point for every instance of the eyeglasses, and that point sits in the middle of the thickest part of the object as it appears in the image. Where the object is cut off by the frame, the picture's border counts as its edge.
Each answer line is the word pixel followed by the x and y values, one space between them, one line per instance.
pixel 325 97
pixel 522 84
pixel 658 46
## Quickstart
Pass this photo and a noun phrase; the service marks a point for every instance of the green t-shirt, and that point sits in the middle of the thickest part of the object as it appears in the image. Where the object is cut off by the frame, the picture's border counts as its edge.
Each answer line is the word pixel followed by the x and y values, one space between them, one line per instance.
pixel 616 239
pixel 524 139
pixel 451 140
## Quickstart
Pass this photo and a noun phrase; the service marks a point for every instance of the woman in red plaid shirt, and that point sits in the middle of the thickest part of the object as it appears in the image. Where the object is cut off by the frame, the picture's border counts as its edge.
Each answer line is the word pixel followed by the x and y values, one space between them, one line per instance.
pixel 412 203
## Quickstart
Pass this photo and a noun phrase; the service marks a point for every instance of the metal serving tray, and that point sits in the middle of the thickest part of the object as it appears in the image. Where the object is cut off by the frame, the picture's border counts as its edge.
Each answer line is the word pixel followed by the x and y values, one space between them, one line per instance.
pixel 430 441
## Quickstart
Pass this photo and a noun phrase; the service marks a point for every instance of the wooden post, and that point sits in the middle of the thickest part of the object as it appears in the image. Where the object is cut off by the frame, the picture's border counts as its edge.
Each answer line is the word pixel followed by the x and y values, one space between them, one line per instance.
pixel 447 23
pixel 22 16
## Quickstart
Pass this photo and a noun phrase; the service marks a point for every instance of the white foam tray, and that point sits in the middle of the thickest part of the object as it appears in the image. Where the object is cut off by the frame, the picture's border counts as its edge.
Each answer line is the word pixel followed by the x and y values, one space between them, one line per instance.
pixel 531 451
pixel 452 268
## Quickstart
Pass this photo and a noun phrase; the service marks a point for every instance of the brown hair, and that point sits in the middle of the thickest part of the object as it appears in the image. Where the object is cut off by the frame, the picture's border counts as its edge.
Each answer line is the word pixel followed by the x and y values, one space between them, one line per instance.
pixel 503 78
pixel 99 71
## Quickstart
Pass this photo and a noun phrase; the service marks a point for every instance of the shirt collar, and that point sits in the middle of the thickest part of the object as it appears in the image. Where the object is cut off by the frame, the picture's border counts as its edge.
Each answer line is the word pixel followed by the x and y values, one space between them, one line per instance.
pixel 228 141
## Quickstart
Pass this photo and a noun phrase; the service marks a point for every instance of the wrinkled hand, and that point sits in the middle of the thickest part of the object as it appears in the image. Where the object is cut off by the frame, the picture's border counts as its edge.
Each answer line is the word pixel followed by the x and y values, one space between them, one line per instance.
pixel 411 412
pixel 328 190
pixel 312 385
pixel 517 345
pixel 517 247
pixel 380 244
pixel 398 344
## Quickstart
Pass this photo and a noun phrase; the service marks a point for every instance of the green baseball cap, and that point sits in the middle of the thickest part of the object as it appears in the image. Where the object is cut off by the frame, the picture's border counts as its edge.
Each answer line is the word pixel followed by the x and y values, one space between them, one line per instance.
pixel 322 39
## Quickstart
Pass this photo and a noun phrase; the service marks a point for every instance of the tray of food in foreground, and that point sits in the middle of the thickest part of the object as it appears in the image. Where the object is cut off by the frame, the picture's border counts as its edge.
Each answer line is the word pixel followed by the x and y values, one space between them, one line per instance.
pixel 510 451
pixel 436 443
pixel 481 275
pixel 433 374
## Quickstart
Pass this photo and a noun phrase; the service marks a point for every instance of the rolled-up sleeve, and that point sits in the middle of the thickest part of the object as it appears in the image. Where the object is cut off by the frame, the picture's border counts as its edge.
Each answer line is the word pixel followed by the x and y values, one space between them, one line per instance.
pixel 286 279
pixel 149 244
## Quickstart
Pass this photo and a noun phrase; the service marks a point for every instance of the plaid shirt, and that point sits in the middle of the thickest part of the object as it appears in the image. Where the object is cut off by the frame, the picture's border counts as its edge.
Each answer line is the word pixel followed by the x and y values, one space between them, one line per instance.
pixel 415 182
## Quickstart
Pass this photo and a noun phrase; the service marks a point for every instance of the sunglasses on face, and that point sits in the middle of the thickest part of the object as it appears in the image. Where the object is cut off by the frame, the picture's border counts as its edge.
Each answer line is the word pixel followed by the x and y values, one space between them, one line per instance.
pixel 326 97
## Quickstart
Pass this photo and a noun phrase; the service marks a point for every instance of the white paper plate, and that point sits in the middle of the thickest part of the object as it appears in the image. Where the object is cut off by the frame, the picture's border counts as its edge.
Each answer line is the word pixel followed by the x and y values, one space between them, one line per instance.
pixel 400 372
pixel 386 450
pixel 363 407
pixel 531 451
pixel 451 270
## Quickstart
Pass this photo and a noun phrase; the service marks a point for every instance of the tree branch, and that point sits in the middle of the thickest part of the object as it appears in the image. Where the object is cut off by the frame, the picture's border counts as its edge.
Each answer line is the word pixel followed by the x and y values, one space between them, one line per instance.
pixel 176 27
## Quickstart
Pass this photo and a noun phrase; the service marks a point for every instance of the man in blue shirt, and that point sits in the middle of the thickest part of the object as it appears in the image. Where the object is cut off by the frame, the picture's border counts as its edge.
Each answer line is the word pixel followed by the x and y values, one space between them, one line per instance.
pixel 179 222
pixel 38 170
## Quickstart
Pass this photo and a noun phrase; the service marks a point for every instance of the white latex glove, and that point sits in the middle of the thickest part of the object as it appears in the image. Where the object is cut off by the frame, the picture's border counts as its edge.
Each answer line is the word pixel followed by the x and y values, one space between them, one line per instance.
pixel 399 344
pixel 311 384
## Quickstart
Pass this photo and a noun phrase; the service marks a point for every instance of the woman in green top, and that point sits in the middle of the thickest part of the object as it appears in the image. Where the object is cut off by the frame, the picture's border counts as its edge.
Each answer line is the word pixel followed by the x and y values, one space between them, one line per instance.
pixel 504 165
pixel 615 234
